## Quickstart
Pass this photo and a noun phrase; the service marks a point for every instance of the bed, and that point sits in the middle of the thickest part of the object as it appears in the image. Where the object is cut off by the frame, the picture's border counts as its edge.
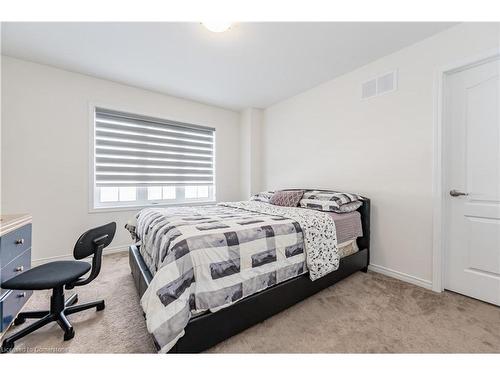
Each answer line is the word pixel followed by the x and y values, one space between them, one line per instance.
pixel 219 322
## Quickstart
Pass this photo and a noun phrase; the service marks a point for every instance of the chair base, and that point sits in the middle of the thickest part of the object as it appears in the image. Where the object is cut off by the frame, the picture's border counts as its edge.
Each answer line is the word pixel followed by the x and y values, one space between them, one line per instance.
pixel 59 310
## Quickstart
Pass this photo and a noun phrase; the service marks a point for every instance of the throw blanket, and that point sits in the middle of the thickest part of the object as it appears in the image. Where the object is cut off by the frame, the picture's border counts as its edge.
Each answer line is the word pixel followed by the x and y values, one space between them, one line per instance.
pixel 205 258
pixel 319 231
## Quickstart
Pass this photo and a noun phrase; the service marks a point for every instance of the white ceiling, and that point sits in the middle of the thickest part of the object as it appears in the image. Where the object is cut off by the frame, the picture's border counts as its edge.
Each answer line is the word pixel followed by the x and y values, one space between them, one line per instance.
pixel 251 65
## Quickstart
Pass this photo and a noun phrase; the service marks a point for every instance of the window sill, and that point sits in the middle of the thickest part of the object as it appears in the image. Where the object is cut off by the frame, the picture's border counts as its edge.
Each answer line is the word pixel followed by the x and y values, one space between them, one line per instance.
pixel 137 207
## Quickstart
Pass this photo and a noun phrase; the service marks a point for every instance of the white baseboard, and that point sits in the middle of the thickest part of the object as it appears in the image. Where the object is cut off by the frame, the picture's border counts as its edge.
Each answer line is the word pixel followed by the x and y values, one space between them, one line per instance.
pixel 107 251
pixel 401 276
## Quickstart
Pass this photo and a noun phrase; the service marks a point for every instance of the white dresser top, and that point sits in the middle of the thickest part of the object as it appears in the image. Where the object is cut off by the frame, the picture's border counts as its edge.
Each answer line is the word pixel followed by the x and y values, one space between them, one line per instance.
pixel 8 223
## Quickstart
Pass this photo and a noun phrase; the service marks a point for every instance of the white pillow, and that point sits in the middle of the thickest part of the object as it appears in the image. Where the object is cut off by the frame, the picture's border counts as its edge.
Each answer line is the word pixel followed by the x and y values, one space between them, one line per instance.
pixel 263 196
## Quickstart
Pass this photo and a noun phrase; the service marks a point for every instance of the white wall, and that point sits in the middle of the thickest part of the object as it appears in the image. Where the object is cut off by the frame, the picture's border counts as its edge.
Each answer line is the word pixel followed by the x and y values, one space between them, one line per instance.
pixel 45 148
pixel 382 147
pixel 251 123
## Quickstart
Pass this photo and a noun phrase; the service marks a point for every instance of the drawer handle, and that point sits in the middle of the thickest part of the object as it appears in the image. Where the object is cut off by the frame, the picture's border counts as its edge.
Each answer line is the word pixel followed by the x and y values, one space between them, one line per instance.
pixel 20 241
pixel 19 269
pixel 21 295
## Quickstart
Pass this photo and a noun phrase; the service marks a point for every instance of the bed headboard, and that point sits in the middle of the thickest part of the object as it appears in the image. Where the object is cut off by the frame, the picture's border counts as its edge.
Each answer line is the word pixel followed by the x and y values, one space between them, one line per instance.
pixel 364 210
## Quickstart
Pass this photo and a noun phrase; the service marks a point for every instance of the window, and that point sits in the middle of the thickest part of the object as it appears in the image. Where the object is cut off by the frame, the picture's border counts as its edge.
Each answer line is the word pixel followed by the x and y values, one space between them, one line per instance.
pixel 140 161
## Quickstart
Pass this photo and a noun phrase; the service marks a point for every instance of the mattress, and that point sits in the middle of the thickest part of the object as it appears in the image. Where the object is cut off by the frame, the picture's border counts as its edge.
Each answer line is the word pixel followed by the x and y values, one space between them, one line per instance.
pixel 348 226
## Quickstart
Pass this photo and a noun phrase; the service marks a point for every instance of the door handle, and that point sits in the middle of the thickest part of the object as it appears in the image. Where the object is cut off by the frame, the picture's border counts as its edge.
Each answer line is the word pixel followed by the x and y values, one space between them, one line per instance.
pixel 456 193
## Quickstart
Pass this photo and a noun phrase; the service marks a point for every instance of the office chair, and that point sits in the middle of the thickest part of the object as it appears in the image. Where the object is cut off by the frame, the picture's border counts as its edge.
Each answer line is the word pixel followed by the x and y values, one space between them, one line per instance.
pixel 60 275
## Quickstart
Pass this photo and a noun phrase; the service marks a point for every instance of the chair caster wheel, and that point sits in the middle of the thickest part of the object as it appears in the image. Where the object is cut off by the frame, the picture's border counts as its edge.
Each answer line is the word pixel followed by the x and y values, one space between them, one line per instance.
pixel 100 306
pixel 7 347
pixel 19 320
pixel 69 335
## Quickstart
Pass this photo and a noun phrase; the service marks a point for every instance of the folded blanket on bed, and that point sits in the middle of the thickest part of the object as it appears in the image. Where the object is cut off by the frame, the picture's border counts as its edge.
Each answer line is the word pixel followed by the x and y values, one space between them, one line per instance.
pixel 209 257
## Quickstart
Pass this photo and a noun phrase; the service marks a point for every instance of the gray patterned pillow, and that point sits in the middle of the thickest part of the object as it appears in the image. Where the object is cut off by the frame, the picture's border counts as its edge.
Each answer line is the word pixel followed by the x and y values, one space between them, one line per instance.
pixel 287 198
pixel 327 200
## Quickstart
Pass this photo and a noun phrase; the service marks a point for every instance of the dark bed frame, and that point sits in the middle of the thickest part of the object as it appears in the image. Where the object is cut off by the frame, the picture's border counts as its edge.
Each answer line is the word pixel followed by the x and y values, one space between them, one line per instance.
pixel 208 329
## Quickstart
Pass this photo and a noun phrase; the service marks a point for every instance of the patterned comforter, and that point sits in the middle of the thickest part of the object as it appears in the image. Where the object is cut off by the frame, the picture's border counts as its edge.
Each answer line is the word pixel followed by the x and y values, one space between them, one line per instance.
pixel 206 258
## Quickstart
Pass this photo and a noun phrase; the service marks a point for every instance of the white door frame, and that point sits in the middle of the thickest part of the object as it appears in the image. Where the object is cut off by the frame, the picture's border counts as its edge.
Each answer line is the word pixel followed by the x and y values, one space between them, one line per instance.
pixel 438 242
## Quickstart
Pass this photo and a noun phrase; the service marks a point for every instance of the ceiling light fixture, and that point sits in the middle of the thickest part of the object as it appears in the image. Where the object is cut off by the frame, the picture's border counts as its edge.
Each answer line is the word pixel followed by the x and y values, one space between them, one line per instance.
pixel 217 26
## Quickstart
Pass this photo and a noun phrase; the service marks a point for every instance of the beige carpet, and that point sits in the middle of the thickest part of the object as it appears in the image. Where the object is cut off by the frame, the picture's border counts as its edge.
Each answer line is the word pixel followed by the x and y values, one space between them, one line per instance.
pixel 367 313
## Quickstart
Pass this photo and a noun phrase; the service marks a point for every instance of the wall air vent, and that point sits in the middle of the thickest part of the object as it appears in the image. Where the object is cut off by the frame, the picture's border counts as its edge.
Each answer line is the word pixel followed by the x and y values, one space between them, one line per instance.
pixel 369 89
pixel 382 84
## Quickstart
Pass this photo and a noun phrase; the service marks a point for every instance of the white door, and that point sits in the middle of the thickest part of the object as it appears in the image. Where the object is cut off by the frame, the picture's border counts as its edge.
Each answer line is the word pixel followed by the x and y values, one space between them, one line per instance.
pixel 472 157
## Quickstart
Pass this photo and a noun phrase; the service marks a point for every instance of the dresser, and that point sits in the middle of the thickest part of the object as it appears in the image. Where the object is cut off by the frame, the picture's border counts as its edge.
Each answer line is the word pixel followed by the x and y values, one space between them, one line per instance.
pixel 15 258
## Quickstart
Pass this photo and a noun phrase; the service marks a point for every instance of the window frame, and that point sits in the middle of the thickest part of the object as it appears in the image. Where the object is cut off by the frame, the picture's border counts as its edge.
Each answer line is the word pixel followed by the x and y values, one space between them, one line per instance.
pixel 96 206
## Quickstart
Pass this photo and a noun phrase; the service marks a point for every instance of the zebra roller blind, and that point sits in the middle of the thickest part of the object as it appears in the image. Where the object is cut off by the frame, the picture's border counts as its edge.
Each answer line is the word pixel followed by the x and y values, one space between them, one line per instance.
pixel 132 150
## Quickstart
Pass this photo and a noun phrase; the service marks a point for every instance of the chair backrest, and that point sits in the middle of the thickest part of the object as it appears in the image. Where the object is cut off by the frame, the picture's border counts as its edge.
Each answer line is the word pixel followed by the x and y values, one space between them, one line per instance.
pixel 91 240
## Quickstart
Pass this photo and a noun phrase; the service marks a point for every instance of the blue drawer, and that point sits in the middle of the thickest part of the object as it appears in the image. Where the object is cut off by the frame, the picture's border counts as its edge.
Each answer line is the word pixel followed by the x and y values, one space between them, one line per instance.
pixel 10 304
pixel 16 267
pixel 14 244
